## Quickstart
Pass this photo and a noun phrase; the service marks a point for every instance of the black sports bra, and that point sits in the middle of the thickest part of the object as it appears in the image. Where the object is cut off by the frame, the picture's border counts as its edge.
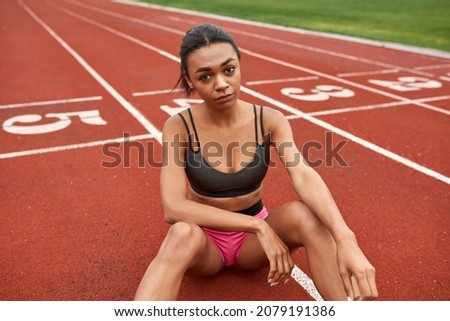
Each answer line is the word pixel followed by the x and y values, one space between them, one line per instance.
pixel 208 181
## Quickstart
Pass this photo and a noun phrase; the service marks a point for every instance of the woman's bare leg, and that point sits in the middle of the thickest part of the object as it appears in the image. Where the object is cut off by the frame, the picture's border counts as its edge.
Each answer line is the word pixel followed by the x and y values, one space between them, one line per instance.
pixel 297 226
pixel 186 247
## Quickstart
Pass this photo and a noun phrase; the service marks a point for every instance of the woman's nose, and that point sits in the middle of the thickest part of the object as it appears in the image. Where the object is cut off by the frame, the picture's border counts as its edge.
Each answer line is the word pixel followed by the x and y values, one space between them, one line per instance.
pixel 221 83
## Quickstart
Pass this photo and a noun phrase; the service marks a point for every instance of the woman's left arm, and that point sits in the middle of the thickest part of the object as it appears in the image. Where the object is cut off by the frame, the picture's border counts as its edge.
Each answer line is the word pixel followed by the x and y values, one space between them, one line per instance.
pixel 315 194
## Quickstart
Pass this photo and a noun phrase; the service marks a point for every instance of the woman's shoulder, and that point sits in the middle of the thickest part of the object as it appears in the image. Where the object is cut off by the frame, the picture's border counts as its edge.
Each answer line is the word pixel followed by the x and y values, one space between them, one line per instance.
pixel 272 117
pixel 272 112
pixel 175 125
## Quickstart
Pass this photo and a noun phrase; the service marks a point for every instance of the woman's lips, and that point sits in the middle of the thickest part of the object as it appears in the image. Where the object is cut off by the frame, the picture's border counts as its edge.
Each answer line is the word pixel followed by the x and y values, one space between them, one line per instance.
pixel 224 98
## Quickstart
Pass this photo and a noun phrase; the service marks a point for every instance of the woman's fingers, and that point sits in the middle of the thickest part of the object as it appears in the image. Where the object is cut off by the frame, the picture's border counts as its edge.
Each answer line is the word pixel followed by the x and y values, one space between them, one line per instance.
pixel 278 254
pixel 280 268
pixel 366 284
pixel 361 287
pixel 347 281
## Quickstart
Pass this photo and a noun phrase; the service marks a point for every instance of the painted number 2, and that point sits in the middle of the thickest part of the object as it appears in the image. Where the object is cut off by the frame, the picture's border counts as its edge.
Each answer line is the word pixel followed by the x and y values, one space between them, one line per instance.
pixel 408 83
pixel 25 124
pixel 320 93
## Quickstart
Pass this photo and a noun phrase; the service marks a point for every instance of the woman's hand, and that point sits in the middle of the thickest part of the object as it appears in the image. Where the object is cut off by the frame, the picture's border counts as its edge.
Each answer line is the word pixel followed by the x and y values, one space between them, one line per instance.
pixel 278 253
pixel 357 274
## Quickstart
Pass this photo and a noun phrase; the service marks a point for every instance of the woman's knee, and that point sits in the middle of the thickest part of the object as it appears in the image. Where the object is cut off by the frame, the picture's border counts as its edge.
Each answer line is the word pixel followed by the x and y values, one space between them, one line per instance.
pixel 303 220
pixel 183 239
pixel 298 213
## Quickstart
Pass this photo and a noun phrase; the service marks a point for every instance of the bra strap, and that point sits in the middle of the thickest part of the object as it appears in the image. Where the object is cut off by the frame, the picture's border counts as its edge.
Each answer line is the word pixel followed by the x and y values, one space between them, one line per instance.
pixel 261 121
pixel 256 124
pixel 187 130
pixel 193 127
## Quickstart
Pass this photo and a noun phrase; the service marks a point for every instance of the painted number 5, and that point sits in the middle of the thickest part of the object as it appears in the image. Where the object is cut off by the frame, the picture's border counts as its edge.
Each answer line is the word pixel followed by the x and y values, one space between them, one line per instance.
pixel 23 124
pixel 320 93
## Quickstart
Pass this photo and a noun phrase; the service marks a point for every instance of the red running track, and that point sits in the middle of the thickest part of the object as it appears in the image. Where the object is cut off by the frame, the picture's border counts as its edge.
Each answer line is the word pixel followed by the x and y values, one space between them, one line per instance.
pixel 79 76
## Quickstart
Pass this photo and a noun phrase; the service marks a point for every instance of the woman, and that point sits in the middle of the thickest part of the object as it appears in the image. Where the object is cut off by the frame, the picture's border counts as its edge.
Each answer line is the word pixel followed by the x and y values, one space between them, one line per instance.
pixel 222 147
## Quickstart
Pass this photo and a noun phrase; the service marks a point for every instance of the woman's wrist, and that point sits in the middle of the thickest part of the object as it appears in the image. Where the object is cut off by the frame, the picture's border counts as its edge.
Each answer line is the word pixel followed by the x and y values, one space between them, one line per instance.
pixel 345 237
pixel 259 226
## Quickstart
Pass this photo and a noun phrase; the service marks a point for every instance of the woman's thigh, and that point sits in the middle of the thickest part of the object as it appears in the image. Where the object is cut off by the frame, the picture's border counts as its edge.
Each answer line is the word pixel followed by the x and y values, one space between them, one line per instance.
pixel 208 260
pixel 284 221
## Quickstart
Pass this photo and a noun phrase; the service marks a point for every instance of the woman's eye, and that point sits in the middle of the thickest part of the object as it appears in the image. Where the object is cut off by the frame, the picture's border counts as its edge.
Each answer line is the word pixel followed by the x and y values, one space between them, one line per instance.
pixel 204 77
pixel 230 69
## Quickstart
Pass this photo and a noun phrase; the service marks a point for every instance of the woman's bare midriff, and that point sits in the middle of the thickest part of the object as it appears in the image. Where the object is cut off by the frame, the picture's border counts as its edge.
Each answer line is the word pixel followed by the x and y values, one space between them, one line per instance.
pixel 233 204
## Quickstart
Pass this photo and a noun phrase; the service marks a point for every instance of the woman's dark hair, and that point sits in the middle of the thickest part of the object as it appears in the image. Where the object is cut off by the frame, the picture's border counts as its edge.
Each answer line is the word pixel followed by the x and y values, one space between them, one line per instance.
pixel 199 37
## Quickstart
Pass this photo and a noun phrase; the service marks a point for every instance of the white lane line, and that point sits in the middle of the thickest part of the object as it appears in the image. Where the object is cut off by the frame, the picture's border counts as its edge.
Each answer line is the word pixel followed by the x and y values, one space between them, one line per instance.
pixel 368 73
pixel 121 16
pixel 351 109
pixel 157 92
pixel 72 146
pixel 275 81
pixel 312 119
pixel 370 107
pixel 433 67
pixel 306 283
pixel 51 102
pixel 127 105
pixel 119 33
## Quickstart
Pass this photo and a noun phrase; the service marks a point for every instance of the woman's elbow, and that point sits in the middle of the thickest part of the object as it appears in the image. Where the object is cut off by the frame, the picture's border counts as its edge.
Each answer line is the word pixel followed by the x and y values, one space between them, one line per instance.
pixel 170 214
pixel 169 219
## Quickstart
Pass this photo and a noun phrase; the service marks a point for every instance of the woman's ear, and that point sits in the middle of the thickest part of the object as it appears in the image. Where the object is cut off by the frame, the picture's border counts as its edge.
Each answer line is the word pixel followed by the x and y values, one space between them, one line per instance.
pixel 188 80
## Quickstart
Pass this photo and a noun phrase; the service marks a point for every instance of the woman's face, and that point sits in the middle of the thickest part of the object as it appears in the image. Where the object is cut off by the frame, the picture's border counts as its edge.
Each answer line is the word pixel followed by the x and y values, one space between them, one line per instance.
pixel 214 72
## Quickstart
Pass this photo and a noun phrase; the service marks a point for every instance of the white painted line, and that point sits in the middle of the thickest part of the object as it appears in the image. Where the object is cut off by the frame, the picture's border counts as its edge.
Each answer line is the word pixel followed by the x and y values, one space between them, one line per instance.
pixel 157 92
pixel 298 275
pixel 72 146
pixel 51 102
pixel 369 107
pixel 367 73
pixel 351 109
pixel 274 81
pixel 121 16
pixel 128 106
pixel 433 67
pixel 118 33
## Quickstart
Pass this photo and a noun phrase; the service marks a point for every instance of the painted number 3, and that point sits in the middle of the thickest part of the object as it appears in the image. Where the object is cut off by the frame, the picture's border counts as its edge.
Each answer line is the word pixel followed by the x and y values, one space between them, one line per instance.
pixel 26 124
pixel 319 93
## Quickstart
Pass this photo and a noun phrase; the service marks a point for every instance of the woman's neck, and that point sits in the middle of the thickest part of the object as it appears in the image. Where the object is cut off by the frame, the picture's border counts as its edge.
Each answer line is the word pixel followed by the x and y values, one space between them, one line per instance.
pixel 225 117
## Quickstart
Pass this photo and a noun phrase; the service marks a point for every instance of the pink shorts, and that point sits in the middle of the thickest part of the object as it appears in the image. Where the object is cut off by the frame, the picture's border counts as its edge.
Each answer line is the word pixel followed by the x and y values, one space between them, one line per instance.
pixel 229 243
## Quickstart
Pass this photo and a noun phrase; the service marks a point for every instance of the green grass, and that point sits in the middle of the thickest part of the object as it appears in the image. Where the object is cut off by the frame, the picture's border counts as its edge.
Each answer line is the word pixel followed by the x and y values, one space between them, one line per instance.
pixel 423 23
